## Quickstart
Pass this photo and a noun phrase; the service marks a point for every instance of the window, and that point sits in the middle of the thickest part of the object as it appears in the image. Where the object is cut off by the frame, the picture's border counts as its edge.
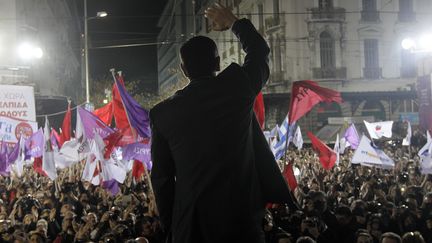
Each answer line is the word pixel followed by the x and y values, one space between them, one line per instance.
pixel 406 11
pixel 325 4
pixel 276 11
pixel 327 51
pixel 371 69
pixel 408 64
pixel 370 12
pixel 261 17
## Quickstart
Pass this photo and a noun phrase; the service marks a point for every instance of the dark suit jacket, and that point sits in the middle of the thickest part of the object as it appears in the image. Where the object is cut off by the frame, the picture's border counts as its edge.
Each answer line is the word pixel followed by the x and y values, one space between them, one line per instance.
pixel 212 164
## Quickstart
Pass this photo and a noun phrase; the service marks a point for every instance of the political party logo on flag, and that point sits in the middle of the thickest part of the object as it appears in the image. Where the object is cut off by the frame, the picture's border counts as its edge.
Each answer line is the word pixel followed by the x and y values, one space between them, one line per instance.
pixel 91 125
pixel 138 151
pixel 34 145
pixel 305 95
pixel 379 129
pixel 368 154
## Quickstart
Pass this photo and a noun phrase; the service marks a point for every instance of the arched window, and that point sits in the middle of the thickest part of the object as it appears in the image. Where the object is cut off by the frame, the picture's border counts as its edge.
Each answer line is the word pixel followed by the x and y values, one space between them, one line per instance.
pixel 327 50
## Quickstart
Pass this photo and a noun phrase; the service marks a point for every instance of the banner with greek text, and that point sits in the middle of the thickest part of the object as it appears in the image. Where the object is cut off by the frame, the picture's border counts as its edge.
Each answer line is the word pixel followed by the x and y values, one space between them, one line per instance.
pixel 17 102
pixel 11 129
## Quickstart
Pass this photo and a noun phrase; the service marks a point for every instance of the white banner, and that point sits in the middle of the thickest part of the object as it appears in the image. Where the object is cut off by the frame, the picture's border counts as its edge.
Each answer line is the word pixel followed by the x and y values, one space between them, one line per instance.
pixel 367 155
pixel 18 102
pixel 349 120
pixel 10 129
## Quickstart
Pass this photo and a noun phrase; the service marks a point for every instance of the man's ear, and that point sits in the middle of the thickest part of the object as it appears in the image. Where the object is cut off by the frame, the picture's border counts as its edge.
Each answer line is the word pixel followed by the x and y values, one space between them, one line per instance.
pixel 184 70
pixel 217 64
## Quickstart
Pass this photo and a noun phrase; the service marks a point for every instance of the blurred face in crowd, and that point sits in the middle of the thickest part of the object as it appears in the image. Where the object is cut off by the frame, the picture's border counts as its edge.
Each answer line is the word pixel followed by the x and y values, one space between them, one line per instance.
pixel 364 238
pixel 429 224
pixel 388 240
pixel 27 219
pixel 65 208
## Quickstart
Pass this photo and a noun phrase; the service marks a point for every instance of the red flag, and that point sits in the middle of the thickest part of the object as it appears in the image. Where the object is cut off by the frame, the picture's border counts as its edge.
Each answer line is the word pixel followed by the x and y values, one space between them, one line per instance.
pixel 137 169
pixel 120 115
pixel 37 166
pixel 111 141
pixel 305 94
pixel 259 109
pixel 288 174
pixel 105 113
pixel 326 155
pixel 66 127
pixel 57 137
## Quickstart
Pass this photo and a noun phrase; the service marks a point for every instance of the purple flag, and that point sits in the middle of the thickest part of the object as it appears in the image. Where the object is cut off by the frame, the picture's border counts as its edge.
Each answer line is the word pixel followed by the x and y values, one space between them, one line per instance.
pixel 138 116
pixel 34 146
pixel 352 137
pixel 3 159
pixel 138 151
pixel 92 124
pixel 111 186
pixel 13 155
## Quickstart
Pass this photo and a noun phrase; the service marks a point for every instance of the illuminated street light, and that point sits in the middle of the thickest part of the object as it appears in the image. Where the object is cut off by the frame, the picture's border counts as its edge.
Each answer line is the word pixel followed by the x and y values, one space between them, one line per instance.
pixel 27 51
pixel 408 44
pixel 101 14
pixel 425 42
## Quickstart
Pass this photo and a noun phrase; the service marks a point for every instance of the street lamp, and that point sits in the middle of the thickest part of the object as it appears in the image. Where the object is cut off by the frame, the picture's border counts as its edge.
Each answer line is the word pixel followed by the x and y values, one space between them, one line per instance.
pixel 101 14
pixel 28 51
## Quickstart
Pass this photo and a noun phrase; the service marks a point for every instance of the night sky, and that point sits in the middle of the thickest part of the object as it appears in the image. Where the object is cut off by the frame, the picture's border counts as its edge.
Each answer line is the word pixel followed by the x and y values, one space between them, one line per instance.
pixel 128 22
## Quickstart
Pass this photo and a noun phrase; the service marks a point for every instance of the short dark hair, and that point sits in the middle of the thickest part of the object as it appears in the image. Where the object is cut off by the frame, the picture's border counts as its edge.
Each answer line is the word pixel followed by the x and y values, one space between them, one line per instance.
pixel 199 56
pixel 392 236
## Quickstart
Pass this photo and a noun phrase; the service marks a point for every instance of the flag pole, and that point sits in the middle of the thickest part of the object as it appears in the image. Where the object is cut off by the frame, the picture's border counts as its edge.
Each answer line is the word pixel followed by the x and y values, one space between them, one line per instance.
pixel 135 135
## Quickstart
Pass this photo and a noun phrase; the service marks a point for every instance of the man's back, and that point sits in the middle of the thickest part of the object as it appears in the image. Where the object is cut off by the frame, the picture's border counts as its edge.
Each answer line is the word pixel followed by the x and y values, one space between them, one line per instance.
pixel 204 173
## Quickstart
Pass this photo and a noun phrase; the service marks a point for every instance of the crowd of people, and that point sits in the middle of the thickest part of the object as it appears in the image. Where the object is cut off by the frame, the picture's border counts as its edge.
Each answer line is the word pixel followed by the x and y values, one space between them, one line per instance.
pixel 349 203
pixel 35 209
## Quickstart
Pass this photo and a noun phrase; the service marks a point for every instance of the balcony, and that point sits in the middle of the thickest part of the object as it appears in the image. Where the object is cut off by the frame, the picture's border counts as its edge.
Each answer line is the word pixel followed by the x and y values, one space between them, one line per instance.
pixel 406 16
pixel 372 72
pixel 272 23
pixel 333 14
pixel 323 73
pixel 370 16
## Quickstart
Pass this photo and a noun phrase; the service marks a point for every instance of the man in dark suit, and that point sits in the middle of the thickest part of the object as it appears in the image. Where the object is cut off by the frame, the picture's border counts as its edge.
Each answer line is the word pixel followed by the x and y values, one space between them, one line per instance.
pixel 213 170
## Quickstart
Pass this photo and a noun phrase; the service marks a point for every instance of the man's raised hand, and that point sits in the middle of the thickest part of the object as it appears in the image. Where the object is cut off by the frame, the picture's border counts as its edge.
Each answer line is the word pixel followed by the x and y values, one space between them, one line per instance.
pixel 222 18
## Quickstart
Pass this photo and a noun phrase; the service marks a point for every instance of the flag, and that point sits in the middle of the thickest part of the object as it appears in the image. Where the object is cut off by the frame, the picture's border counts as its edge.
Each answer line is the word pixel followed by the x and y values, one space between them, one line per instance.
pixel 259 109
pixel 288 174
pixel 34 145
pixel 111 186
pixel 351 137
pixel 285 134
pixel 37 166
pixel 90 125
pixel 111 170
pixel 426 160
pixel 18 163
pixel 48 161
pixel 428 136
pixel 111 141
pixel 68 154
pixel 66 126
pixel 379 129
pixel 137 169
pixel 298 138
pixel 369 155
pixel 4 159
pixel 105 113
pixel 119 112
pixel 326 155
pixel 305 95
pixel 336 149
pixel 88 173
pixel 407 140
pixel 55 140
pixel 137 116
pixel 138 151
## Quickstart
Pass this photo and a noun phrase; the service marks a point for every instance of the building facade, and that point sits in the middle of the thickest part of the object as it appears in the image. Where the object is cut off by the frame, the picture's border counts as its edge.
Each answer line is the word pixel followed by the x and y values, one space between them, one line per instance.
pixel 53 26
pixel 353 46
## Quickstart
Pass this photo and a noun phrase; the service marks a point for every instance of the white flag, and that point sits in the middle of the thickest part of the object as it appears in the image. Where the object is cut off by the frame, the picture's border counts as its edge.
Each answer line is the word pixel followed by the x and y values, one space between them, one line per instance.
pixel 407 140
pixel 379 129
pixel 367 155
pixel 298 138
pixel 48 161
pixel 89 169
pixel 343 144
pixel 18 165
pixel 426 160
pixel 111 170
pixel 337 149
